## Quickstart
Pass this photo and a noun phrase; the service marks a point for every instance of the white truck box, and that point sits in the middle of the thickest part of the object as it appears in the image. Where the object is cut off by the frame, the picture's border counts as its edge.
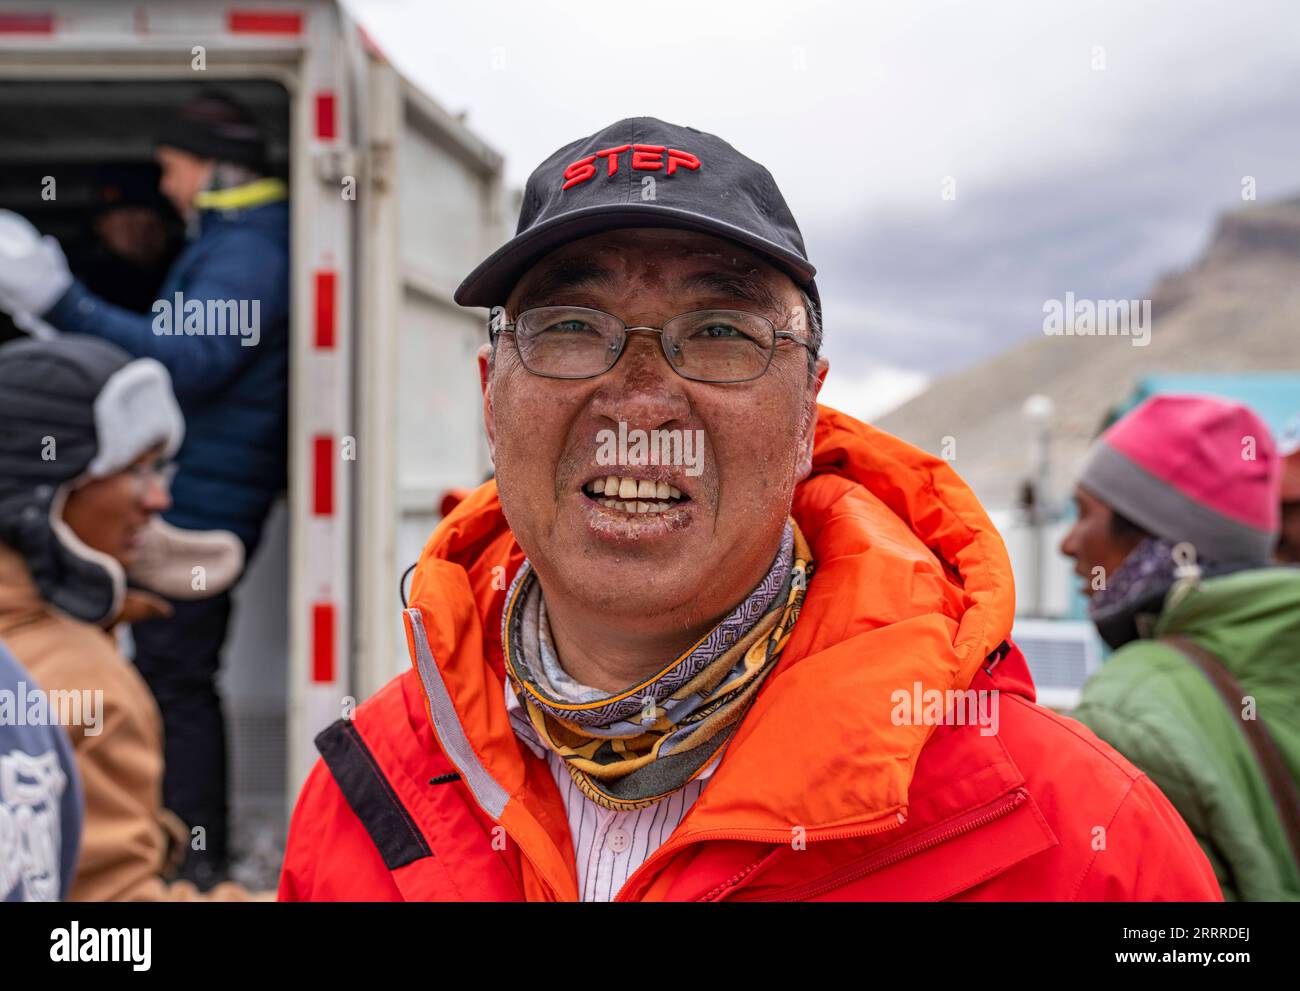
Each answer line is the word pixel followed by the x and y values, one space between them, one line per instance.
pixel 384 405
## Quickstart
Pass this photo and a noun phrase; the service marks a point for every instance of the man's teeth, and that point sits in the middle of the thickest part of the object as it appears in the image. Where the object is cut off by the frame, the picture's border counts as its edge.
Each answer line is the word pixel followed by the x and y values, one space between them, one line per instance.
pixel 633 495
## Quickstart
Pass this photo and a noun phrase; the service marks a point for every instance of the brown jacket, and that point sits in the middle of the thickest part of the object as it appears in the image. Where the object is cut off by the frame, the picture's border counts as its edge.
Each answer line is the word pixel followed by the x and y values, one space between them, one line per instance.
pixel 129 837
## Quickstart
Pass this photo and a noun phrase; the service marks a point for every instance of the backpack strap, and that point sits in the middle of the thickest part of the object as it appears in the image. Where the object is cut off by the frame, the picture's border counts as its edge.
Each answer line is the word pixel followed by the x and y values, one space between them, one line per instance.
pixel 1271 763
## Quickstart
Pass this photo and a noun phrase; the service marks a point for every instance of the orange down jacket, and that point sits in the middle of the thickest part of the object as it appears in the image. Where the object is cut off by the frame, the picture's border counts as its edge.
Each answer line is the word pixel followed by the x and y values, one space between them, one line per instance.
pixel 830 789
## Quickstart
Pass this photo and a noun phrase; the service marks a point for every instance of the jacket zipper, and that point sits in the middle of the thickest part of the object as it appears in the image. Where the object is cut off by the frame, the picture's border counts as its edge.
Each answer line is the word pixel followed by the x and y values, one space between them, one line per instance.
pixel 733 834
pixel 735 879
pixel 886 858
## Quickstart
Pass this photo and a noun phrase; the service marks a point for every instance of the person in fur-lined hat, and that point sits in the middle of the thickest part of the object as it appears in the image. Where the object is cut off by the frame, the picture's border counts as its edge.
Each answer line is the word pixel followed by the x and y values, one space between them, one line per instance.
pixel 86 435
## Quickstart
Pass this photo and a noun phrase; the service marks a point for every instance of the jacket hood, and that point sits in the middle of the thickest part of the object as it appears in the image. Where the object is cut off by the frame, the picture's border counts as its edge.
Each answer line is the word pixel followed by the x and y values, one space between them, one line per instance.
pixel 912 591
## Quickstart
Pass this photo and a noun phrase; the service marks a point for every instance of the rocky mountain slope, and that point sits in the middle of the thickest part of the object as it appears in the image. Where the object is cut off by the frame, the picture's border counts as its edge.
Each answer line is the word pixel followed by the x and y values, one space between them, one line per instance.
pixel 1236 309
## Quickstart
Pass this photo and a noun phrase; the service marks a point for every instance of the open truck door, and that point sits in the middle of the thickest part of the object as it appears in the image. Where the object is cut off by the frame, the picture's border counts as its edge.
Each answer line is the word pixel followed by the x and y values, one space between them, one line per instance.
pixel 392 200
pixel 434 207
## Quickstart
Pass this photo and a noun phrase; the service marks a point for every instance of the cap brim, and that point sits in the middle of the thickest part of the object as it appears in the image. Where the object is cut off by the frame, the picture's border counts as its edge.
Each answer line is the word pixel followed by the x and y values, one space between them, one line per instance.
pixel 492 281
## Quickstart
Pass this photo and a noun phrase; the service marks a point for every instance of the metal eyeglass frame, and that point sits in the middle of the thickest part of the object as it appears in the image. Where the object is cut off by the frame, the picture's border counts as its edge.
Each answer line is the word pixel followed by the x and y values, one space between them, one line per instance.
pixel 777 335
pixel 163 471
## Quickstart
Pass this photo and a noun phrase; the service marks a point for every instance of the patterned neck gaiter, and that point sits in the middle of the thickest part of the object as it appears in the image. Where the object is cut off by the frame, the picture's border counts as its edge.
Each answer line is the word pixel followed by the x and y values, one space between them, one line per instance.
pixel 1128 607
pixel 629 749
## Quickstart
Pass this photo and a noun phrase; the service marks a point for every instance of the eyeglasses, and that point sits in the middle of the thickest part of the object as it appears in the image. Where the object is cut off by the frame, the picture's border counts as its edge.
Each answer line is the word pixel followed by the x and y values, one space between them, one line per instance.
pixel 163 471
pixel 575 342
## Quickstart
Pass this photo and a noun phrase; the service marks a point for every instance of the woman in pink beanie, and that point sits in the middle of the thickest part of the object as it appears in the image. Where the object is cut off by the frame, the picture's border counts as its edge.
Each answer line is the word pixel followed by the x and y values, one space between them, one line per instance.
pixel 1178 518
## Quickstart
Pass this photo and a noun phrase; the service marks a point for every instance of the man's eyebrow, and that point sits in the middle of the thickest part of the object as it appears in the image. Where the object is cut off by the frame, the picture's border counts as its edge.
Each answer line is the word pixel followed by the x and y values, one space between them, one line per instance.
pixel 564 276
pixel 743 287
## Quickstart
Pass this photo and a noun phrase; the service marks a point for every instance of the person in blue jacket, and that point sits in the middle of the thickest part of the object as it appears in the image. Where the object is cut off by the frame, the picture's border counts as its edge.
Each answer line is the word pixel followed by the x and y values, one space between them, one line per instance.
pixel 41 807
pixel 221 327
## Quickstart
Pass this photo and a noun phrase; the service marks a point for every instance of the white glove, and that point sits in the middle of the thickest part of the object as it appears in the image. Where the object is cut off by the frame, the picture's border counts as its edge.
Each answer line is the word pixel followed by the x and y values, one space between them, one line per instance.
pixel 33 271
pixel 186 564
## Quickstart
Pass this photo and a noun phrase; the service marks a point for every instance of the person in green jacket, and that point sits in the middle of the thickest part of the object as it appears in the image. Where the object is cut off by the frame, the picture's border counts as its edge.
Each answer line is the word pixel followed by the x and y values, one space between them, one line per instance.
pixel 1178 516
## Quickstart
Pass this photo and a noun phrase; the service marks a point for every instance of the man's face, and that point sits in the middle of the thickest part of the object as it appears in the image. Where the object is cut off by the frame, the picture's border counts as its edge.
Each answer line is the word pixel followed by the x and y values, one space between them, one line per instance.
pixel 183 176
pixel 136 233
pixel 1092 542
pixel 110 514
pixel 687 564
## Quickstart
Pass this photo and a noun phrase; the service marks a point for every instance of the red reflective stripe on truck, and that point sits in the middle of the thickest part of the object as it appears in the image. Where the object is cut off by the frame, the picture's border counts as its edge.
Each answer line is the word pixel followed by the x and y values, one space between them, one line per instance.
pixel 322 642
pixel 264 22
pixel 17 23
pixel 368 43
pixel 322 503
pixel 325 116
pixel 325 286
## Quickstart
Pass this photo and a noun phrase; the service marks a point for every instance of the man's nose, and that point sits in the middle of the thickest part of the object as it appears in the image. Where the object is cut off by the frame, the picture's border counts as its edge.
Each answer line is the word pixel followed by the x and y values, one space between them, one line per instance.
pixel 1067 547
pixel 641 389
pixel 157 499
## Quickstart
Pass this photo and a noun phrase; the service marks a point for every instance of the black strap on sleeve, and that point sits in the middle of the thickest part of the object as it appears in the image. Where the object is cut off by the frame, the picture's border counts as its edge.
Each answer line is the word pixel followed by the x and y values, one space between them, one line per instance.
pixel 391 827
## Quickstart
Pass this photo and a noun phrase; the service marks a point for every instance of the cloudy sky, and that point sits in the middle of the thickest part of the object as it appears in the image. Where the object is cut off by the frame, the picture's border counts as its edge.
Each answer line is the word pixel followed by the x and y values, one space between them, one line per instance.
pixel 1089 145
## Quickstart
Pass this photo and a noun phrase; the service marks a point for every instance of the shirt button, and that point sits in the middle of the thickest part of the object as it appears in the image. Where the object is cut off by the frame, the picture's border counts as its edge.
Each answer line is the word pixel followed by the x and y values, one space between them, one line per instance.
pixel 618 839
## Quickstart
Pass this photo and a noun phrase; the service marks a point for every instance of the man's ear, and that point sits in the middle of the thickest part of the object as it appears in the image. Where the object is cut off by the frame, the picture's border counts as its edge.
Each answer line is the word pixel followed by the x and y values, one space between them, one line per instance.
pixel 809 433
pixel 485 383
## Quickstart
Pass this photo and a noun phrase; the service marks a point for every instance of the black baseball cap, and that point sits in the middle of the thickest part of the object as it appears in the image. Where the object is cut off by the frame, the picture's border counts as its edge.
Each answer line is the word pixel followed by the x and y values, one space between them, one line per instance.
pixel 596 184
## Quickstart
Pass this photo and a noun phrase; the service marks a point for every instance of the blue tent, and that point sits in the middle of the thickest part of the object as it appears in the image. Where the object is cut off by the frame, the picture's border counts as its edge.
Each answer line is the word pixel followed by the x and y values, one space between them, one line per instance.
pixel 1275 396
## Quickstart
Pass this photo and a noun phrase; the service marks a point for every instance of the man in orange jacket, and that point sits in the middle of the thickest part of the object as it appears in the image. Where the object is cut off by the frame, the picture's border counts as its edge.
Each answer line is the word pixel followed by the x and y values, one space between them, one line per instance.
pixel 701 638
